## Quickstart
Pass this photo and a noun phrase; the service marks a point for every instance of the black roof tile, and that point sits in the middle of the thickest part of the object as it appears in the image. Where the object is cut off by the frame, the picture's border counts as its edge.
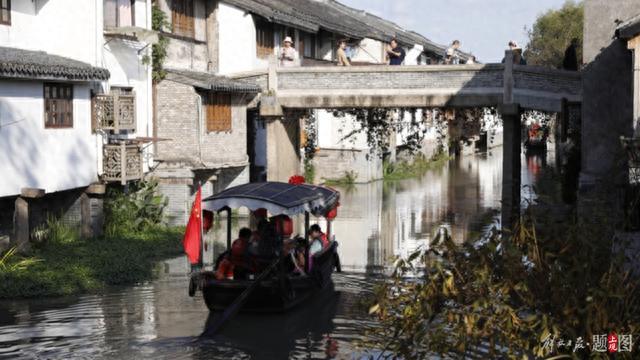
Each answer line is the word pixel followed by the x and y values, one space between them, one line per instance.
pixel 30 64
pixel 210 81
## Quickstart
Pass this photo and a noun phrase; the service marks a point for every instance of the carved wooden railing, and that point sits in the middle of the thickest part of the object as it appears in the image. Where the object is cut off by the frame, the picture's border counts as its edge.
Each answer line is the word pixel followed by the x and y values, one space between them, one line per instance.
pixel 114 112
pixel 122 162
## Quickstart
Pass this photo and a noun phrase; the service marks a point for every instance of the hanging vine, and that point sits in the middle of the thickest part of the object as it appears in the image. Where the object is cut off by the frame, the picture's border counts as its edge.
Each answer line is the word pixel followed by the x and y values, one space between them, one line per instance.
pixel 159 23
pixel 378 125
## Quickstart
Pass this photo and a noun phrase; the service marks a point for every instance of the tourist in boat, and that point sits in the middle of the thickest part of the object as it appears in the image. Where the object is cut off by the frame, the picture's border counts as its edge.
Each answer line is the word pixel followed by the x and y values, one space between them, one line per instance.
pixel 240 256
pixel 293 251
pixel 318 239
pixel 237 263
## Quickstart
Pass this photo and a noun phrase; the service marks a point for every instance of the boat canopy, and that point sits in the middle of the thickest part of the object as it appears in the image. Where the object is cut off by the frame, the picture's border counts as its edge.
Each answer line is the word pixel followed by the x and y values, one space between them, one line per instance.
pixel 277 197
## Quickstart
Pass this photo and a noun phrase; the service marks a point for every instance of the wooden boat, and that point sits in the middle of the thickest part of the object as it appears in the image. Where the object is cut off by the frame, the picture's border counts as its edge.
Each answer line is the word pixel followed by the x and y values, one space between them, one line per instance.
pixel 277 290
pixel 536 139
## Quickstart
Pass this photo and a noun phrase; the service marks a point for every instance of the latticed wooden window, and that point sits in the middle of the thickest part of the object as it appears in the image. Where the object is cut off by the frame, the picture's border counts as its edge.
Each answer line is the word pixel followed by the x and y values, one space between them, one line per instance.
pixel 5 12
pixel 58 105
pixel 218 110
pixel 182 17
pixel 264 38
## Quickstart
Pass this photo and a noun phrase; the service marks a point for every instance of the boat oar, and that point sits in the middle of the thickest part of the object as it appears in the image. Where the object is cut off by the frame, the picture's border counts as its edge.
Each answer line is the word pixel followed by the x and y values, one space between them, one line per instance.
pixel 232 309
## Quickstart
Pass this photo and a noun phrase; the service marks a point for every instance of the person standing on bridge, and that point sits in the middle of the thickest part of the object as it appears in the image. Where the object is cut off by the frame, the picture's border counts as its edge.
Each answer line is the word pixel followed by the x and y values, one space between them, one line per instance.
pixel 341 54
pixel 395 53
pixel 451 54
pixel 517 53
pixel 288 54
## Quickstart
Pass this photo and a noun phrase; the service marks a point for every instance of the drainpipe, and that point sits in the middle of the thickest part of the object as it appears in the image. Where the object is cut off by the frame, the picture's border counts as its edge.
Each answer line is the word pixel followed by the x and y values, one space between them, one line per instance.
pixel 199 109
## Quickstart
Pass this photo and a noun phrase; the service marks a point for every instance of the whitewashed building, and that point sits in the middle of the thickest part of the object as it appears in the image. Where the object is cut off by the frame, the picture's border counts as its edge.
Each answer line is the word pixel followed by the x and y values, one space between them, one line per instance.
pixel 249 32
pixel 75 105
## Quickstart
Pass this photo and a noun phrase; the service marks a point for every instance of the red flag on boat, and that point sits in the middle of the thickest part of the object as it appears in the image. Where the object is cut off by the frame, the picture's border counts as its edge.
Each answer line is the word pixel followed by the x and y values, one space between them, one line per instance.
pixel 192 235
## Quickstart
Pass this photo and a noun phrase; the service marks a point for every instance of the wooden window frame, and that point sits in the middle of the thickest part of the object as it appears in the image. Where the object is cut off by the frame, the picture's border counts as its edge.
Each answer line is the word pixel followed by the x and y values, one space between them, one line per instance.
pixel 60 100
pixel 265 38
pixel 218 112
pixel 307 39
pixel 117 11
pixel 183 18
pixel 8 8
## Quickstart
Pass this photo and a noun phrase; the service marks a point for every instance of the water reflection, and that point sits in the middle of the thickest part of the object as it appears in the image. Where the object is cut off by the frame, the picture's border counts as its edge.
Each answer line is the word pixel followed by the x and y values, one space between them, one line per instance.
pixel 375 222
pixel 380 220
pixel 159 320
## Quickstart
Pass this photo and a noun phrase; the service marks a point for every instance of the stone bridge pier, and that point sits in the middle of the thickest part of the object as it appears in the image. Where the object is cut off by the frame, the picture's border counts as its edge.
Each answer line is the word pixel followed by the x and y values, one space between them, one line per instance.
pixel 511 88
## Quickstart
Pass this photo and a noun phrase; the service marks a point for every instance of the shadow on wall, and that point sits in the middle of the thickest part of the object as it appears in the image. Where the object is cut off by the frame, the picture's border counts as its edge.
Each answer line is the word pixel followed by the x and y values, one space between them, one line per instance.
pixel 26 161
pixel 607 108
pixel 25 149
pixel 18 148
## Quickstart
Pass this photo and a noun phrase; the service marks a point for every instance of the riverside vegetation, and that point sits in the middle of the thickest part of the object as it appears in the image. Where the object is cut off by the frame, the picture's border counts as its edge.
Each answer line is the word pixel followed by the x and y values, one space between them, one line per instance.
pixel 64 263
pixel 514 296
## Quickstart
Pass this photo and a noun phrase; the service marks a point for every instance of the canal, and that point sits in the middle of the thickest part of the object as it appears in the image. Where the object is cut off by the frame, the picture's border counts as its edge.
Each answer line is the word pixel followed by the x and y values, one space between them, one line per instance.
pixel 158 320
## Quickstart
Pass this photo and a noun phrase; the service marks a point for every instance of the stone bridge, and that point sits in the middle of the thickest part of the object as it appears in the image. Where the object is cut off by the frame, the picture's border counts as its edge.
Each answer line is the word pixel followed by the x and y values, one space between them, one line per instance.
pixel 419 86
pixel 509 87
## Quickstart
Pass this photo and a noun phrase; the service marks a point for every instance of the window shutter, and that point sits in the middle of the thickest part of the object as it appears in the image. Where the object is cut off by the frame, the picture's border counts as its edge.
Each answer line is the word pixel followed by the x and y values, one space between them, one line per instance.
pixel 182 17
pixel 218 109
pixel 5 12
pixel 124 13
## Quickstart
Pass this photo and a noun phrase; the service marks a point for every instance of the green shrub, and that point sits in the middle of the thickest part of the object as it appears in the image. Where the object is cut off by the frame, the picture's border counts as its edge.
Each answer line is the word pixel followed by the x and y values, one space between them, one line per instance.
pixel 136 210
pixel 309 171
pixel 71 265
pixel 348 179
pixel 416 168
pixel 509 294
pixel 66 264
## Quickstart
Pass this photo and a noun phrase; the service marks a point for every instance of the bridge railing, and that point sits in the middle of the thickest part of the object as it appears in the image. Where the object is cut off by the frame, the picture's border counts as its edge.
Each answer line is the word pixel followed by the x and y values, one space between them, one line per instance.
pixel 418 86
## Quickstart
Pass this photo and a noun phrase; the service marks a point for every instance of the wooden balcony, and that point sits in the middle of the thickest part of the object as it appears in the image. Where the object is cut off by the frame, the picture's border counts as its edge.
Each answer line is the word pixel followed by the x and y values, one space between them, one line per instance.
pixel 122 162
pixel 114 112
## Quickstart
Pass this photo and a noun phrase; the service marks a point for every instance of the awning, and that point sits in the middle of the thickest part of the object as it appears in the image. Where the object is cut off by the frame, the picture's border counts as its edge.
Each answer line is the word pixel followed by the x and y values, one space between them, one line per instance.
pixel 277 197
pixel 211 82
pixel 133 33
pixel 30 64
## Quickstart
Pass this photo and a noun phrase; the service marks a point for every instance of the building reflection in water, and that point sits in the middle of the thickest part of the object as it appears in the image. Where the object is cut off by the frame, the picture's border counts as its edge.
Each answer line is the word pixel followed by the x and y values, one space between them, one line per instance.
pixel 380 220
pixel 384 219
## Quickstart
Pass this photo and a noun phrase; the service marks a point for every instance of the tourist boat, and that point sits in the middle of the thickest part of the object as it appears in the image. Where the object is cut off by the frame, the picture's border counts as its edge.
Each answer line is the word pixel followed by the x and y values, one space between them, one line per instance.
pixel 536 138
pixel 275 290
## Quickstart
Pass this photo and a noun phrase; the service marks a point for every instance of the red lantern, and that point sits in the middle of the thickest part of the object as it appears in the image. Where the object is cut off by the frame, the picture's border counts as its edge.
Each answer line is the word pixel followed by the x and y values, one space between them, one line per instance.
pixel 331 214
pixel 296 180
pixel 207 220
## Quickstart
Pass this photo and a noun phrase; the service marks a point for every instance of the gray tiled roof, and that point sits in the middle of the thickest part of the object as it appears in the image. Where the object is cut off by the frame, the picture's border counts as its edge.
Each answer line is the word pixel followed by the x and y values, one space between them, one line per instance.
pixel 278 12
pixel 29 64
pixel 336 17
pixel 629 28
pixel 209 81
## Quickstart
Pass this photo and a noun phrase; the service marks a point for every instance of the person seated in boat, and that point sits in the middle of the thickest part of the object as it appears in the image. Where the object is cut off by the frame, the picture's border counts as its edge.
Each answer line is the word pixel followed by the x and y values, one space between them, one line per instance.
pixel 293 251
pixel 318 239
pixel 236 264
